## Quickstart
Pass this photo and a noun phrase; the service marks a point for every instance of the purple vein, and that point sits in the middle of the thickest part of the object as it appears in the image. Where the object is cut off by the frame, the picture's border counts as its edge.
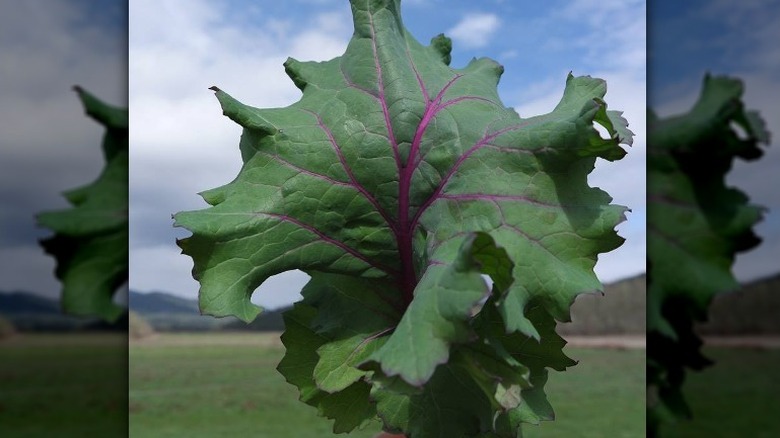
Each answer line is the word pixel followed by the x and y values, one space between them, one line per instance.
pixel 353 85
pixel 405 232
pixel 533 240
pixel 439 107
pixel 365 342
pixel 359 187
pixel 662 199
pixel 671 240
pixel 406 172
pixel 431 109
pixel 424 91
pixel 485 140
pixel 462 98
pixel 381 91
pixel 382 313
pixel 511 150
pixel 305 171
pixel 439 243
pixel 330 240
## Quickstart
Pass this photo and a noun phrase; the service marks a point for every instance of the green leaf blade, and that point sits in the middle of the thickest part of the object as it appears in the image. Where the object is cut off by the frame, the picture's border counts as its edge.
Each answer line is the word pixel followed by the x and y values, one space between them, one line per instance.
pixel 90 243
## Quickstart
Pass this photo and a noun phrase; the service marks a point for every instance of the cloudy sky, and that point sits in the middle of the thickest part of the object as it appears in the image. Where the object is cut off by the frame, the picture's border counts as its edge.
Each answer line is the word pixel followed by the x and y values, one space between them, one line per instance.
pixel 181 144
pixel 47 143
pixel 688 39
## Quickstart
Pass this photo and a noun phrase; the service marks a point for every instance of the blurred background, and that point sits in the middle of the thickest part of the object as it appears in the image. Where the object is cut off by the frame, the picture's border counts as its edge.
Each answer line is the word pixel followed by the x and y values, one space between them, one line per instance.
pixel 736 395
pixel 60 375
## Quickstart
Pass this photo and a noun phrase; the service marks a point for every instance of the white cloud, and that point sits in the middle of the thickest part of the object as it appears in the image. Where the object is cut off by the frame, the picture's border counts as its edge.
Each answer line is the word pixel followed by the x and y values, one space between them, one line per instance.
pixel 751 32
pixel 508 54
pixel 614 32
pixel 475 30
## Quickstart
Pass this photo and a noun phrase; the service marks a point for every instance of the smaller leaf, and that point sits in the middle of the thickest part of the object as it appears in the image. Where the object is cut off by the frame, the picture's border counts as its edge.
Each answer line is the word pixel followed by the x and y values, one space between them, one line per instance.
pixel 461 408
pixel 533 409
pixel 348 407
pixel 301 344
pixel 437 317
pixel 500 376
pixel 336 368
pixel 347 400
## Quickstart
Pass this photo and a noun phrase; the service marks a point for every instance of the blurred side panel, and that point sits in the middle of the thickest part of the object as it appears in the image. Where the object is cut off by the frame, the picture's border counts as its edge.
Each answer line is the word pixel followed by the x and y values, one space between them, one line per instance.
pixel 63 218
pixel 713 218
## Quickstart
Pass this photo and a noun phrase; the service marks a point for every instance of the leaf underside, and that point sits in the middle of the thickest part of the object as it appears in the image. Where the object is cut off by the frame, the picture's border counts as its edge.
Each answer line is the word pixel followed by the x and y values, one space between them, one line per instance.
pixel 696 226
pixel 397 182
pixel 90 242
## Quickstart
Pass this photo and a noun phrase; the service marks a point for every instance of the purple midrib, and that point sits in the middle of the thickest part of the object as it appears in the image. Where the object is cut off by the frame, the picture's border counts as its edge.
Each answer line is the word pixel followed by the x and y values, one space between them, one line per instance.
pixel 403 234
pixel 405 226
pixel 404 231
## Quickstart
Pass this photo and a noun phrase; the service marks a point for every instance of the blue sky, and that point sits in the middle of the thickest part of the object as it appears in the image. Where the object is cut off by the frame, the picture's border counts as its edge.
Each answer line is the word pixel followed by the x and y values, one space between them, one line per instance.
pixel 182 145
pixel 688 39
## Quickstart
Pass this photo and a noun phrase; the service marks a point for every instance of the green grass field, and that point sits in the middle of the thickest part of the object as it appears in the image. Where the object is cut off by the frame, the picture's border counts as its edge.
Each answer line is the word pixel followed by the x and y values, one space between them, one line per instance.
pixel 739 396
pixel 214 385
pixel 63 385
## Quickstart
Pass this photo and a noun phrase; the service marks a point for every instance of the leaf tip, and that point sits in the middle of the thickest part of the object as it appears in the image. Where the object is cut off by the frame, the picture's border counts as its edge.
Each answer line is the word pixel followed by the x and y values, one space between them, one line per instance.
pixel 294 70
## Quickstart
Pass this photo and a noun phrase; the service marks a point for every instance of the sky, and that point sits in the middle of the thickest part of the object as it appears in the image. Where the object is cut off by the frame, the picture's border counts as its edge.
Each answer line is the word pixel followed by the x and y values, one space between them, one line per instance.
pixel 47 143
pixel 739 39
pixel 182 145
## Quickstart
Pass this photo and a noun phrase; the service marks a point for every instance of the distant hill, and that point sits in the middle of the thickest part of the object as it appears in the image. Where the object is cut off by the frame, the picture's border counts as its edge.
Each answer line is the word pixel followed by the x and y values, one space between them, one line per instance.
pixel 161 302
pixel 17 302
pixel 30 312
pixel 168 313
pixel 267 321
